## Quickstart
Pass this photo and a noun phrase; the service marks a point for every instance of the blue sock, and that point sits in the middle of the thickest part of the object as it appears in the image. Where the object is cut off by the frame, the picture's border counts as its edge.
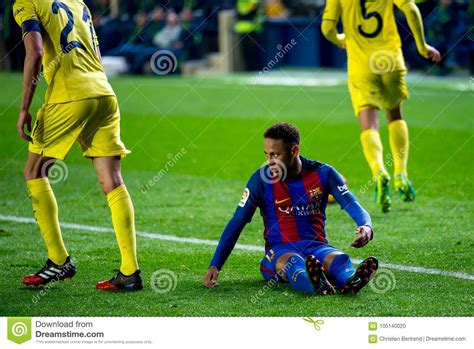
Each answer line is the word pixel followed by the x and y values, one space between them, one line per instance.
pixel 297 276
pixel 340 270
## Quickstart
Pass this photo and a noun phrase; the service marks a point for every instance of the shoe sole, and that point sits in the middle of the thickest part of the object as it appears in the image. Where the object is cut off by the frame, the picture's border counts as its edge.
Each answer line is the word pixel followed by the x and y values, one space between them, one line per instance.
pixel 126 288
pixel 316 272
pixel 365 272
pixel 52 281
pixel 407 195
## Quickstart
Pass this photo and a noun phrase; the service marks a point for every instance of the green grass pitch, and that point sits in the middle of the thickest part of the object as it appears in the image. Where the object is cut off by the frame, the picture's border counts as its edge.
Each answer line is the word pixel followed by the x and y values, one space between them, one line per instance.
pixel 219 122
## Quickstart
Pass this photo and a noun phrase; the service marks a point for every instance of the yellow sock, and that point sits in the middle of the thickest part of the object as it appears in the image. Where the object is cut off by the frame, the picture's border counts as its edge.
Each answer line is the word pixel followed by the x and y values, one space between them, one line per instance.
pixel 398 132
pixel 373 150
pixel 45 209
pixel 123 219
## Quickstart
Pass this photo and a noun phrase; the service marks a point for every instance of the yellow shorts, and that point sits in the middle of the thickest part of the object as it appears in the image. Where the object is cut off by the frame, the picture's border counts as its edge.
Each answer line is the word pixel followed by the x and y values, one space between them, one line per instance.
pixel 94 123
pixel 376 91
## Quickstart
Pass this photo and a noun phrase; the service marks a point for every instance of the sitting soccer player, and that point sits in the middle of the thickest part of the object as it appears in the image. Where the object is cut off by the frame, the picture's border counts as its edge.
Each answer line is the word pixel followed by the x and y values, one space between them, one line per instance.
pixel 292 193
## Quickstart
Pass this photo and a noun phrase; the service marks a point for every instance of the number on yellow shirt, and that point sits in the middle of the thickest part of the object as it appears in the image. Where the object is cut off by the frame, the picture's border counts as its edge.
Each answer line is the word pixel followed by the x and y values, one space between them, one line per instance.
pixel 367 16
pixel 66 46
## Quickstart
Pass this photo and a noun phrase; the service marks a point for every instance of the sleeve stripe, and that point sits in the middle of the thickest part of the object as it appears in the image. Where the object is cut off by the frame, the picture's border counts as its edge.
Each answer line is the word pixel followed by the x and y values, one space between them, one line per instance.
pixel 31 25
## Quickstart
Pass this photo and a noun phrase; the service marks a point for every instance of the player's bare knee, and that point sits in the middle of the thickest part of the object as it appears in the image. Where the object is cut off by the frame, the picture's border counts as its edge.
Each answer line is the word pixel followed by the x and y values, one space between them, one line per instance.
pixel 394 115
pixel 368 119
pixel 29 172
pixel 110 183
pixel 282 263
pixel 330 258
pixel 36 167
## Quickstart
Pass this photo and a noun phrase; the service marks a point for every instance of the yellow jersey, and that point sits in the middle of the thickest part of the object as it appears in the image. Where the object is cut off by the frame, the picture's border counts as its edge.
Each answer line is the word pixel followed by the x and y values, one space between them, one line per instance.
pixel 71 61
pixel 371 36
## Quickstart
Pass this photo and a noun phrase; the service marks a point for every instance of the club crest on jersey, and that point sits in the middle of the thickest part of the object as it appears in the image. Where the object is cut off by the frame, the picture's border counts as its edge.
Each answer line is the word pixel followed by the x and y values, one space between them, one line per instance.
pixel 245 197
pixel 315 194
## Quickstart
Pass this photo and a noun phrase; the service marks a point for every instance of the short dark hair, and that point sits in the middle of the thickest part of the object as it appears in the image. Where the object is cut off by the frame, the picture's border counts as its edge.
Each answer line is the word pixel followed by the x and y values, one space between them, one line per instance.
pixel 285 131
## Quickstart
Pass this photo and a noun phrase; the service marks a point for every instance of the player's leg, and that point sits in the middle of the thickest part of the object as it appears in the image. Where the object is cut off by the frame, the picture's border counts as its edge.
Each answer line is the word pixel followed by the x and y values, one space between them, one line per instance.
pixel 366 100
pixel 56 129
pixel 304 274
pixel 395 91
pixel 108 170
pixel 285 264
pixel 373 151
pixel 100 141
pixel 58 266
pixel 370 139
pixel 336 264
pixel 343 275
pixel 291 267
pixel 364 272
pixel 340 271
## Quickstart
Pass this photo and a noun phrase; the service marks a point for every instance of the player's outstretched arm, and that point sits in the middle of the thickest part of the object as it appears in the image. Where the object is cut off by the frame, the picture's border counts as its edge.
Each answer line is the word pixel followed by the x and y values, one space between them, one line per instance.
pixel 224 248
pixel 243 215
pixel 34 55
pixel 413 16
pixel 331 15
pixel 348 202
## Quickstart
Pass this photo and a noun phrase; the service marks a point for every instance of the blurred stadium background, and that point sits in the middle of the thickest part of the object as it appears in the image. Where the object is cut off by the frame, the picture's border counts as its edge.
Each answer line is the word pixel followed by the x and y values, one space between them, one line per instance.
pixel 219 36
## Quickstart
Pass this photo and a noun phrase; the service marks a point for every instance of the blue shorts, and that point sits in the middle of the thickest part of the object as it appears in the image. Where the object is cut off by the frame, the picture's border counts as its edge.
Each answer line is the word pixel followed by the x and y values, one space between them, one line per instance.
pixel 304 248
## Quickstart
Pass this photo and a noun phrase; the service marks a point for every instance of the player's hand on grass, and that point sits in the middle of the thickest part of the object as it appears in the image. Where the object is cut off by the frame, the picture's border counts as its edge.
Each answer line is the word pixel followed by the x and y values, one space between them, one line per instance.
pixel 364 233
pixel 24 119
pixel 432 54
pixel 210 279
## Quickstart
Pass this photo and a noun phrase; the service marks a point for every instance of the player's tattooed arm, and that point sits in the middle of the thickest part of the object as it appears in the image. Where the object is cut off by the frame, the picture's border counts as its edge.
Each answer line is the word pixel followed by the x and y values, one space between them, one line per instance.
pixel 34 55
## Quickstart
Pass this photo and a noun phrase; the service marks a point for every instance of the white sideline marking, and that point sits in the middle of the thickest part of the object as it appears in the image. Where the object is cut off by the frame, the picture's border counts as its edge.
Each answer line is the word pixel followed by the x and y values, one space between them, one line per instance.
pixel 196 241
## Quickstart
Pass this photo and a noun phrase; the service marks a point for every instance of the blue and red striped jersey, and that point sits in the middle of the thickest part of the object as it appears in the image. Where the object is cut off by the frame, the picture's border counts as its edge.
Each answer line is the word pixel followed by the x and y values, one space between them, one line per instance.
pixel 292 210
